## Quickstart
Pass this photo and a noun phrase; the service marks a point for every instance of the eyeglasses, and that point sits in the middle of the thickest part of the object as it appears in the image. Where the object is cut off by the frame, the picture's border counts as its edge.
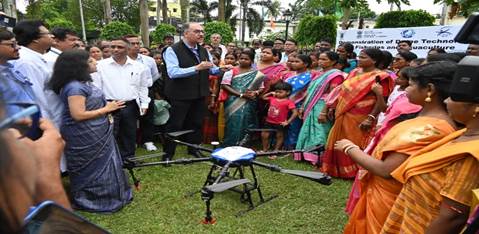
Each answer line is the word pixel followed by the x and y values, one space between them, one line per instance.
pixel 13 44
pixel 198 31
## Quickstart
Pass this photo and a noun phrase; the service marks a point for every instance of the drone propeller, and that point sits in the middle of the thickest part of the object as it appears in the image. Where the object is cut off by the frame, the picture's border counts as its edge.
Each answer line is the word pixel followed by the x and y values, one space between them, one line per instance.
pixel 148 156
pixel 311 175
pixel 178 161
pixel 220 187
pixel 179 133
pixel 312 149
pixel 261 130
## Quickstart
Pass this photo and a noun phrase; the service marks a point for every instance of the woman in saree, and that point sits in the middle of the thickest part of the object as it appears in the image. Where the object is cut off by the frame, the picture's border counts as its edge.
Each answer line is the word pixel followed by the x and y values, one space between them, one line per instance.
pixel 97 180
pixel 300 81
pixel 230 59
pixel 356 106
pixel 346 51
pixel 314 132
pixel 428 88
pixel 243 85
pixel 270 69
pixel 437 182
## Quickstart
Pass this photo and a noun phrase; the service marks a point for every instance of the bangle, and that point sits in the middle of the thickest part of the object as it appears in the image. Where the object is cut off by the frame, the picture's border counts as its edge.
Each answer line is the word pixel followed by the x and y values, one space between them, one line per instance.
pixel 213 95
pixel 349 148
pixel 372 116
pixel 241 95
pixel 322 114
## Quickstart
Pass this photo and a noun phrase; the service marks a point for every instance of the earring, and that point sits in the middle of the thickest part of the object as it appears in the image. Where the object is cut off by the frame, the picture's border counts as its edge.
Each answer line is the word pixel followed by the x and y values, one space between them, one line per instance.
pixel 428 99
pixel 475 112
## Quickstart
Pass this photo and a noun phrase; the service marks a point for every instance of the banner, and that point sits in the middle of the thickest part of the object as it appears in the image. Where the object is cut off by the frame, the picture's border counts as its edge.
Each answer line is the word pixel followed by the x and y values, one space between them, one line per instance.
pixel 423 38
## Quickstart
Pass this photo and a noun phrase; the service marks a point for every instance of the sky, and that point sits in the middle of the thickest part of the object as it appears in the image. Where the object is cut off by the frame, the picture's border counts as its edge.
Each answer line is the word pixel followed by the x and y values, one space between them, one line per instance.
pixel 378 8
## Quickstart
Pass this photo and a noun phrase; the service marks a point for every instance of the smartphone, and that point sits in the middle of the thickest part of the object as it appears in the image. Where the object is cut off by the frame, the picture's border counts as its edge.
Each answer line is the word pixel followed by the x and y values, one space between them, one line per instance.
pixel 49 217
pixel 378 79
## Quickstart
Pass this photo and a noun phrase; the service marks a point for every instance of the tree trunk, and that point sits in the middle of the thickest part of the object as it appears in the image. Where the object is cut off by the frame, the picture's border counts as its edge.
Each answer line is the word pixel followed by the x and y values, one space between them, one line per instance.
pixel 107 11
pixel 145 33
pixel 221 10
pixel 158 12
pixel 164 11
pixel 184 10
pixel 346 17
pixel 243 20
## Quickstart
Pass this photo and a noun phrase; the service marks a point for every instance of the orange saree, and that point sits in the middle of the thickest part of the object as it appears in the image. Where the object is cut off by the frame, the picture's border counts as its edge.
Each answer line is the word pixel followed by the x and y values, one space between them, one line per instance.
pixel 443 169
pixel 377 193
pixel 353 103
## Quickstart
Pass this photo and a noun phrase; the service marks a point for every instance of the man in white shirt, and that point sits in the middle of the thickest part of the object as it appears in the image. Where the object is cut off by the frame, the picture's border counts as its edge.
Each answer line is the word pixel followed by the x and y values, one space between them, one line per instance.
pixel 65 39
pixel 146 121
pixel 124 79
pixel 35 39
pixel 215 39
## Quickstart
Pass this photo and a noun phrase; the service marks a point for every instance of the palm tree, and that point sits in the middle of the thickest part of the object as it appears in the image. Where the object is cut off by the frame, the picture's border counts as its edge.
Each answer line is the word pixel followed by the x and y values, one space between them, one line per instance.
pixel 184 5
pixel 221 10
pixel 251 17
pixel 107 11
pixel 161 10
pixel 145 33
pixel 229 17
pixel 204 8
pixel 274 10
pixel 348 5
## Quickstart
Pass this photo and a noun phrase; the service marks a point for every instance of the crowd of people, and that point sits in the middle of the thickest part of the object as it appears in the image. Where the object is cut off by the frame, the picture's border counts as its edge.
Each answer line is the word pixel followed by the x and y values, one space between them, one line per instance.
pixel 393 123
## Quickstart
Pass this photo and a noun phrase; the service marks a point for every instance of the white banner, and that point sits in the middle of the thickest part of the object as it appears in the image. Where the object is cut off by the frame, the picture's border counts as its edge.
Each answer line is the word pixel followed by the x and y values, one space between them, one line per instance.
pixel 423 38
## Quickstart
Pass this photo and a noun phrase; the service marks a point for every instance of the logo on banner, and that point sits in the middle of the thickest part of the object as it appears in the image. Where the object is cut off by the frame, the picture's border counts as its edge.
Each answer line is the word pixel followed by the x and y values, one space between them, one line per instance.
pixel 407 33
pixel 444 32
pixel 359 34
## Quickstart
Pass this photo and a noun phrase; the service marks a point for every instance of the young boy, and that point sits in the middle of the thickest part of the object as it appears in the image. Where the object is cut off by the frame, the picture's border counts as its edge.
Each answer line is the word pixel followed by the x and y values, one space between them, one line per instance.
pixel 277 118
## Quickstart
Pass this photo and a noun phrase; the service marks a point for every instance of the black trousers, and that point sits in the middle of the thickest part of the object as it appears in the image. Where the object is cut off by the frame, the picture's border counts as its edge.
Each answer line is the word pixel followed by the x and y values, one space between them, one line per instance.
pixel 124 128
pixel 185 115
pixel 147 128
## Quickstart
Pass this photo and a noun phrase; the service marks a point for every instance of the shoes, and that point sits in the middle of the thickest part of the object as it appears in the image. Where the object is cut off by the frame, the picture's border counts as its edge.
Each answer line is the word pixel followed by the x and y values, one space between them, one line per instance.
pixel 149 146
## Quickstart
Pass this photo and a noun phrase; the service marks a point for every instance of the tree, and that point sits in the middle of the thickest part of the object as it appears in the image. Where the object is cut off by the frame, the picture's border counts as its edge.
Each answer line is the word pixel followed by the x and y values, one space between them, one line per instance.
pixel 116 29
pixel 107 11
pixel 221 10
pixel 221 28
pixel 184 5
pixel 251 17
pixel 161 31
pixel 410 18
pixel 144 32
pixel 274 10
pixel 230 18
pixel 460 7
pixel 204 8
pixel 312 29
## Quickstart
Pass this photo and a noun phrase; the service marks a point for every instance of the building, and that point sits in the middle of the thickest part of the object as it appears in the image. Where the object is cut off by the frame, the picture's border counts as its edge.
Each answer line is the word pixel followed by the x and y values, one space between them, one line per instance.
pixel 174 11
pixel 8 7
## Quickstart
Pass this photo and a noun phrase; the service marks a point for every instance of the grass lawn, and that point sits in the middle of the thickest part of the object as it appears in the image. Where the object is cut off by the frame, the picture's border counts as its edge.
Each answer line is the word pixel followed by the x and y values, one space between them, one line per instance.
pixel 302 206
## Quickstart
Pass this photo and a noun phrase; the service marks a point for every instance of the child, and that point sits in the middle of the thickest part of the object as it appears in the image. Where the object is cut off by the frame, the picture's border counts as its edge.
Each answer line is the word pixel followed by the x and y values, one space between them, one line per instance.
pixel 210 122
pixel 277 118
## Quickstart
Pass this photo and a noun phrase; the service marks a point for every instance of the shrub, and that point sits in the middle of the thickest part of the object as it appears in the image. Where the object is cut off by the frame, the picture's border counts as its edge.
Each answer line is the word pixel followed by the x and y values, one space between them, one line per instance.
pixel 221 28
pixel 312 29
pixel 410 18
pixel 60 23
pixel 162 30
pixel 116 29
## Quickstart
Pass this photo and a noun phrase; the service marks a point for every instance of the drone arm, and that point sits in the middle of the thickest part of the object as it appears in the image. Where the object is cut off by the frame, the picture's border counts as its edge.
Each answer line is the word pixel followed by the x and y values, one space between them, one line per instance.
pixel 191 145
pixel 178 161
pixel 271 167
pixel 317 148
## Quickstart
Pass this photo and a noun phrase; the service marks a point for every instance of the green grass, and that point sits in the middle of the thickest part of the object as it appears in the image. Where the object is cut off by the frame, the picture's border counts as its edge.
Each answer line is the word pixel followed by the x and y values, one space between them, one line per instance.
pixel 302 206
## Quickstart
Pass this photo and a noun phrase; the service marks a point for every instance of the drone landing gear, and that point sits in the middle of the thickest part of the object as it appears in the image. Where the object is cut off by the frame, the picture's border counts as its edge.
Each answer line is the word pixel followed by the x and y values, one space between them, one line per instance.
pixel 245 190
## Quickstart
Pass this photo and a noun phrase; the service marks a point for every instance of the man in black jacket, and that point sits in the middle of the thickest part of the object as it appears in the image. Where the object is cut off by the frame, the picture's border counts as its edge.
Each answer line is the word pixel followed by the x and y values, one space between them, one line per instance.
pixel 188 66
